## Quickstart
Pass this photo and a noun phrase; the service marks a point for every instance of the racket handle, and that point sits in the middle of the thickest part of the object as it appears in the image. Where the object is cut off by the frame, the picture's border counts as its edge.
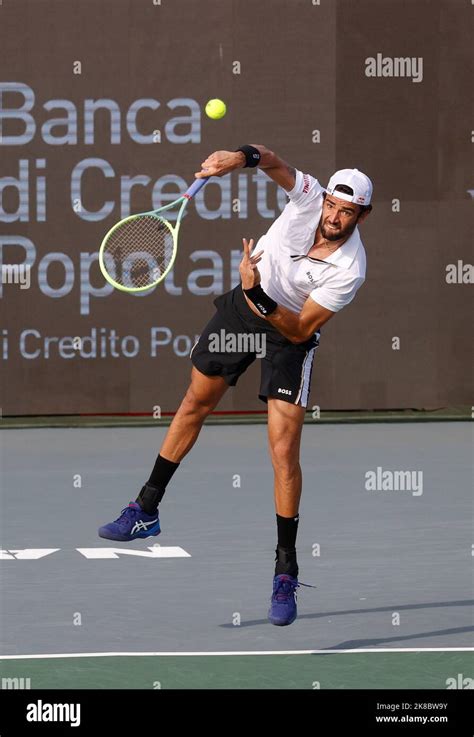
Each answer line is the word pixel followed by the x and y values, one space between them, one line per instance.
pixel 195 187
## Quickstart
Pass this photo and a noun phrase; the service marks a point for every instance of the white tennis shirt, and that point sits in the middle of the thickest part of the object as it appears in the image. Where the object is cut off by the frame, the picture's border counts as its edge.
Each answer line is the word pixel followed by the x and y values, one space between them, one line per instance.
pixel 289 276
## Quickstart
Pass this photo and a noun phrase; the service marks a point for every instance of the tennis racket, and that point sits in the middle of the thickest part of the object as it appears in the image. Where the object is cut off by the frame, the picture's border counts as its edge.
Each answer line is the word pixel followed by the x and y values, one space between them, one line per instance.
pixel 139 251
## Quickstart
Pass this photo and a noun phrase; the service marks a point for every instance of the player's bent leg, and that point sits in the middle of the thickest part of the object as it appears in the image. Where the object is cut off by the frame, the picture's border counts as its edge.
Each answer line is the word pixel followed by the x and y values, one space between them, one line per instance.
pixel 202 396
pixel 285 422
pixel 140 519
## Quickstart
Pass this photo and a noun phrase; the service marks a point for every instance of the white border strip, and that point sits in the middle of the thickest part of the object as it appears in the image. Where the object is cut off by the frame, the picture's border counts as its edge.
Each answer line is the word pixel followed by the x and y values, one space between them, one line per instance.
pixel 240 652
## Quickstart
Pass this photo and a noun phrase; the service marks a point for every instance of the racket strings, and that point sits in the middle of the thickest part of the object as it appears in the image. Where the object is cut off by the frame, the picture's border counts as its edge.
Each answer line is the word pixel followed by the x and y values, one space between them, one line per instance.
pixel 138 251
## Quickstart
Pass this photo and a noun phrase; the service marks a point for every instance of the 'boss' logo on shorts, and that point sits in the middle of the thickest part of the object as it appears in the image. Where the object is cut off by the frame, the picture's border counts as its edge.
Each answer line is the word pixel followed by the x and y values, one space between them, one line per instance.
pixel 284 391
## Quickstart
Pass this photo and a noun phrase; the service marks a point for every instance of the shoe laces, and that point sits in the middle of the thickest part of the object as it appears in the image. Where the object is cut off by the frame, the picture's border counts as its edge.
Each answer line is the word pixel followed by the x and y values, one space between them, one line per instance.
pixel 127 514
pixel 285 588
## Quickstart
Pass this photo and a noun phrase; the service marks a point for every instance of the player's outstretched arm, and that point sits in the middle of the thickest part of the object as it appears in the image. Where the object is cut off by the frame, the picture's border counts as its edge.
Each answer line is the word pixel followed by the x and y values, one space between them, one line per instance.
pixel 222 162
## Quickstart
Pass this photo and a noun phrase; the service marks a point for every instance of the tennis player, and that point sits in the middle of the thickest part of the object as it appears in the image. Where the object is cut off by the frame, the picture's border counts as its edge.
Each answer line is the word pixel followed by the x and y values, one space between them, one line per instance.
pixel 308 266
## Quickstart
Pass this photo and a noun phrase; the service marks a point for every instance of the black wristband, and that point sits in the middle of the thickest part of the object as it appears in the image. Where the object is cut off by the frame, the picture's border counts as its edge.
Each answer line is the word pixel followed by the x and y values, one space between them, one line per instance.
pixel 264 304
pixel 252 155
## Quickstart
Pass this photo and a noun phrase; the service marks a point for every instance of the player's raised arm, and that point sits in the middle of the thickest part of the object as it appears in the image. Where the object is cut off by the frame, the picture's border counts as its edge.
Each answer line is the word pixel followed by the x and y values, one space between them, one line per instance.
pixel 222 162
pixel 277 169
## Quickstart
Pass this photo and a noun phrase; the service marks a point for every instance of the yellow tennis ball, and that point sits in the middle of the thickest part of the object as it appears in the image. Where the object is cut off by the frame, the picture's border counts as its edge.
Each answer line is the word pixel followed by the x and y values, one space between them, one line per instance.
pixel 216 109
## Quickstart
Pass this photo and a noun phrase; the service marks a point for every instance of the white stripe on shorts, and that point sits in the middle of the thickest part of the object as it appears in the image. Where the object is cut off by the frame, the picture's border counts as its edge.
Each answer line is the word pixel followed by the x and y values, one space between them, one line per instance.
pixel 305 377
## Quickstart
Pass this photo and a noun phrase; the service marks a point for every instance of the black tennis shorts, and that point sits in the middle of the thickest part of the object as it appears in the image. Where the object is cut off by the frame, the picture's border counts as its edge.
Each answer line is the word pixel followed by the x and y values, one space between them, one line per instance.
pixel 235 337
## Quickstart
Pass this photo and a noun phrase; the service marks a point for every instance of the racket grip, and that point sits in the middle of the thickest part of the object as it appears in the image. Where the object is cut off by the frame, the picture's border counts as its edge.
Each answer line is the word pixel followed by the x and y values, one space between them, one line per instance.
pixel 195 187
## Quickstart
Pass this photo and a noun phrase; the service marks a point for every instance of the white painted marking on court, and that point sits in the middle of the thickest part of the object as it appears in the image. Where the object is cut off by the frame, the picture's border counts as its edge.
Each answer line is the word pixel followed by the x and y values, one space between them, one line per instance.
pixel 241 652
pixel 27 553
pixel 156 551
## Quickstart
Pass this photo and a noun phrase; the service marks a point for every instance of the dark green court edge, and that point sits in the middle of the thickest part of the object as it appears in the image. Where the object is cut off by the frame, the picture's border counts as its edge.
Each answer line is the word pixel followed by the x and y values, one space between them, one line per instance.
pixel 418 670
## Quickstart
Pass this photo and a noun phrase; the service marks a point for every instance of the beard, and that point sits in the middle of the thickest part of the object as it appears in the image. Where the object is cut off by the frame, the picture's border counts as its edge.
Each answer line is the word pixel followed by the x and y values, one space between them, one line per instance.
pixel 336 235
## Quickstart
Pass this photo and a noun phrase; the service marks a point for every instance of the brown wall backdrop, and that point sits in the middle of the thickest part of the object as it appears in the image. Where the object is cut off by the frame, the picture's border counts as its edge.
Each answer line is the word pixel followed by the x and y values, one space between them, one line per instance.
pixel 302 69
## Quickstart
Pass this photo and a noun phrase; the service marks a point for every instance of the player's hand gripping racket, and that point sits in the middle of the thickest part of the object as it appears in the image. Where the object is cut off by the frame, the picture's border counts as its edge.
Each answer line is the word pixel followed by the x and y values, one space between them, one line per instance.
pixel 139 251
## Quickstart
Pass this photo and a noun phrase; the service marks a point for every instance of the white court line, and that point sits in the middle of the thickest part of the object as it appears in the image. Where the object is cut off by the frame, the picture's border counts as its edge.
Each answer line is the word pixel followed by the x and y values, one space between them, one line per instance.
pixel 241 652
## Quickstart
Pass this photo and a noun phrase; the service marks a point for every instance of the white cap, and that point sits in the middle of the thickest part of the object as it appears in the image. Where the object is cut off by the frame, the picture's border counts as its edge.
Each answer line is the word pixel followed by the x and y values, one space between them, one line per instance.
pixel 355 179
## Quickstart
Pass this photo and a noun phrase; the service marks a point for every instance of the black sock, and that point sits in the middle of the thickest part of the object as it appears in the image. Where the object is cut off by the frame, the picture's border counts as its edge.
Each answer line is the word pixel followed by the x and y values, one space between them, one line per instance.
pixel 162 472
pixel 287 529
pixel 286 561
pixel 153 491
